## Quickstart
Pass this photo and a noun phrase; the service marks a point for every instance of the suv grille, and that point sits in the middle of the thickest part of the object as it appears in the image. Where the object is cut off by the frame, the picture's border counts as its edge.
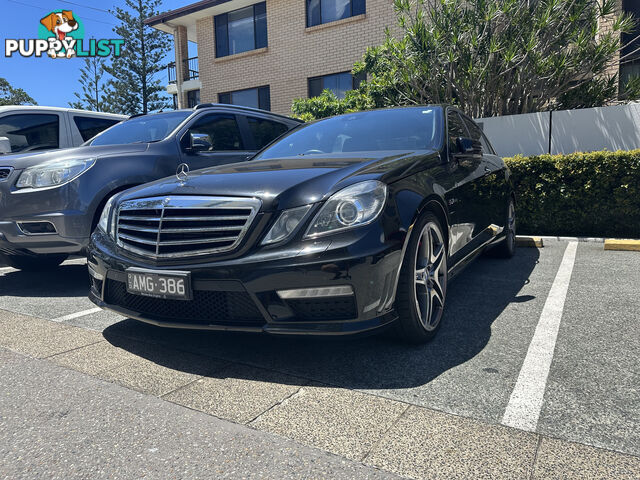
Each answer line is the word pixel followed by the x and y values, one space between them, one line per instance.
pixel 4 173
pixel 180 226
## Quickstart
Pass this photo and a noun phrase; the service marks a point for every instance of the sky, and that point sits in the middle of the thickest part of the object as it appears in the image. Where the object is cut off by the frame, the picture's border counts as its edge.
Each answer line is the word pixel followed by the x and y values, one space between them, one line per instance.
pixel 52 82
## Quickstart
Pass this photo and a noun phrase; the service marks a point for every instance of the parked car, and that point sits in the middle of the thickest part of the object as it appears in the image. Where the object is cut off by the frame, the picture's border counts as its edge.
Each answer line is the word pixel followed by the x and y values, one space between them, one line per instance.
pixel 25 129
pixel 51 202
pixel 344 225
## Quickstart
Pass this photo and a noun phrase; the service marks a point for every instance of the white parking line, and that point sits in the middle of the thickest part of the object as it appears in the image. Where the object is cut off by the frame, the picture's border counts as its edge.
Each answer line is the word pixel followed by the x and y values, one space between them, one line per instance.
pixel 525 404
pixel 5 269
pixel 78 314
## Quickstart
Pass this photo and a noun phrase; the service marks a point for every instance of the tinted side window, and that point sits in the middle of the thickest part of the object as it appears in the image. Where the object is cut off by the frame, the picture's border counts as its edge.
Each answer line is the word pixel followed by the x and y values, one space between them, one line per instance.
pixel 89 127
pixel 30 132
pixel 222 130
pixel 455 129
pixel 265 131
pixel 476 134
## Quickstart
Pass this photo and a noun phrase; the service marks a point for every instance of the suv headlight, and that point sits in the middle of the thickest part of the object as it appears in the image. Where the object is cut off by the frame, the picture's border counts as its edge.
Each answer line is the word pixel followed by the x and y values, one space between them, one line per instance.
pixel 54 173
pixel 107 222
pixel 354 206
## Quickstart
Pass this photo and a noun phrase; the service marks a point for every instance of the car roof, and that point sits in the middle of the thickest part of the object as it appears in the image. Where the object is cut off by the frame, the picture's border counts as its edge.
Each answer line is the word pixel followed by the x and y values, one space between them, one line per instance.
pixel 226 106
pixel 27 108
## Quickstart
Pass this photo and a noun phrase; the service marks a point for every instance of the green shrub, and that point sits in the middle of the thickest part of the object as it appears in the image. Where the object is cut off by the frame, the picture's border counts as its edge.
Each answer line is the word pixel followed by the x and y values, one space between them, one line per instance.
pixel 582 194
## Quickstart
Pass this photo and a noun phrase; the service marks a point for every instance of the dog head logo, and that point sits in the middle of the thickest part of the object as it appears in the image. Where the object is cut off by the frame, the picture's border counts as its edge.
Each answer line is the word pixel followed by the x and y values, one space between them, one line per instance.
pixel 62 30
pixel 60 24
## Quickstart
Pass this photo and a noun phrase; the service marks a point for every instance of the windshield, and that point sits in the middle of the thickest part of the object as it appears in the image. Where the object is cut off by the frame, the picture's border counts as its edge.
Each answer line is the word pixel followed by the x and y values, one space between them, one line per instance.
pixel 144 129
pixel 417 128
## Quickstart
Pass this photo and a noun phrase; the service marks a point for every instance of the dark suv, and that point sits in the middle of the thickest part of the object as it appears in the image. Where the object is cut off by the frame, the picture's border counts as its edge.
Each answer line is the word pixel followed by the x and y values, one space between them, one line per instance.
pixel 51 202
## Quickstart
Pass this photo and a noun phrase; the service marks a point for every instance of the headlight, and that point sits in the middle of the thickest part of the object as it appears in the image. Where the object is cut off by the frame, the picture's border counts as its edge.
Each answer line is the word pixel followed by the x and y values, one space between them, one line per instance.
pixel 353 206
pixel 106 217
pixel 53 174
pixel 285 224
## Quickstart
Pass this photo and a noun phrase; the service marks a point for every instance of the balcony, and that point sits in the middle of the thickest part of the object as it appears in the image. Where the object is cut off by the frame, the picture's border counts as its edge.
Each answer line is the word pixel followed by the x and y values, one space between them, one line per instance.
pixel 189 69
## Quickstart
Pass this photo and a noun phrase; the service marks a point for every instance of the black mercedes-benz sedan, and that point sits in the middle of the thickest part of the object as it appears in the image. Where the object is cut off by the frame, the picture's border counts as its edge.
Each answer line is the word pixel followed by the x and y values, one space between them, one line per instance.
pixel 344 225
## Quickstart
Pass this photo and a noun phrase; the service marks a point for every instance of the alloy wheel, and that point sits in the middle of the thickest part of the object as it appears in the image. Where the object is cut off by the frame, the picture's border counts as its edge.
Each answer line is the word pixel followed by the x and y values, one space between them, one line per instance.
pixel 430 276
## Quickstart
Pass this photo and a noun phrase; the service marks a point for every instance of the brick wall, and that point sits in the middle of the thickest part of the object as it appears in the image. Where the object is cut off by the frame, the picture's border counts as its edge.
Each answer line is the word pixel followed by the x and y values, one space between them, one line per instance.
pixel 181 45
pixel 605 26
pixel 294 52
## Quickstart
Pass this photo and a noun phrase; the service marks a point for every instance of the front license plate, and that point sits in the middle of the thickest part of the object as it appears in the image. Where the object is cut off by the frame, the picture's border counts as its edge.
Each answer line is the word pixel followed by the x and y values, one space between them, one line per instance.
pixel 167 285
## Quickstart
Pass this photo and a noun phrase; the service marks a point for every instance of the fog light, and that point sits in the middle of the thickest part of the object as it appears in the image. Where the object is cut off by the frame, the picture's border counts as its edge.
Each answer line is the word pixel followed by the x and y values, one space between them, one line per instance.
pixel 338 291
pixel 37 228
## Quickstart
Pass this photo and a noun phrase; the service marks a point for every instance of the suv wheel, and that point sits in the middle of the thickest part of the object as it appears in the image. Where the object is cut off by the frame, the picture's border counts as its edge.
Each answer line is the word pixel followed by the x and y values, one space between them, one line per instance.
pixel 422 288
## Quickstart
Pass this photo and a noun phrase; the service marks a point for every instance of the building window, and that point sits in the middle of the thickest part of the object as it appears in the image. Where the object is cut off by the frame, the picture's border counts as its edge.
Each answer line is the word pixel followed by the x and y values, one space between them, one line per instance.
pixel 325 11
pixel 193 98
pixel 630 65
pixel 338 83
pixel 253 97
pixel 241 30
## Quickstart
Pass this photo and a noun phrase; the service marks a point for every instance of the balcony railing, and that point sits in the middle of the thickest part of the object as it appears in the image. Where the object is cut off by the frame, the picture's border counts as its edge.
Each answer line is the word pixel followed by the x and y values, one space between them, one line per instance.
pixel 189 70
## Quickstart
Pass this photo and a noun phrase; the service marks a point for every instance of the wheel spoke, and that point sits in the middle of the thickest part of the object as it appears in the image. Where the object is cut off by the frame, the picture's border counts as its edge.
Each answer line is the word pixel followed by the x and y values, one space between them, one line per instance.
pixel 423 304
pixel 437 292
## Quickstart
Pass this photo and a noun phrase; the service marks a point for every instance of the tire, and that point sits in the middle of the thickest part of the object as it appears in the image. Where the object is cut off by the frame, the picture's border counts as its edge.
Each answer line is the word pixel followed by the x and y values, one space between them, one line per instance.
pixel 507 247
pixel 422 287
pixel 35 263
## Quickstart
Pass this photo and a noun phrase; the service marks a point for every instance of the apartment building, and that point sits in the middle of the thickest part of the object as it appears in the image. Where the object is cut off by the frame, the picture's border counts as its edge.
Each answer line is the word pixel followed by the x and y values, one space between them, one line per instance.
pixel 265 54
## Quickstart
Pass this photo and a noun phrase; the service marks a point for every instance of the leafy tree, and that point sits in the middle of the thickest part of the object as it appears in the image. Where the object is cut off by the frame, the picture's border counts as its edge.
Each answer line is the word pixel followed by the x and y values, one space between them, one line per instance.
pixel 495 57
pixel 92 96
pixel 134 88
pixel 13 96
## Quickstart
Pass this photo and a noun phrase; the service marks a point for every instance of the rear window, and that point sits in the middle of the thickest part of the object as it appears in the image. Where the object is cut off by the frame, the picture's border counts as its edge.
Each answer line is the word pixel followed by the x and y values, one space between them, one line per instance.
pixel 30 132
pixel 89 127
pixel 265 131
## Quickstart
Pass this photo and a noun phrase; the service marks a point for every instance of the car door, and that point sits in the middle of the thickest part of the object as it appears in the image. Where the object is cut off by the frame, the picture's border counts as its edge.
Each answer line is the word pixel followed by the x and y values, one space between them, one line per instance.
pixel 468 220
pixel 220 138
pixel 491 188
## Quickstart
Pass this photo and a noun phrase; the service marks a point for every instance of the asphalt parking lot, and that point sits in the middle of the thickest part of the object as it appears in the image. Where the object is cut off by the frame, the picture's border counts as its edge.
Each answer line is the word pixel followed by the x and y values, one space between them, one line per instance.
pixel 534 374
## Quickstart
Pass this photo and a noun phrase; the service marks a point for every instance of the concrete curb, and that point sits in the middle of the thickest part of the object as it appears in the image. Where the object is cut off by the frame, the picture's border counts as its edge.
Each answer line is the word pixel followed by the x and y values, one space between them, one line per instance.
pixel 526 241
pixel 622 244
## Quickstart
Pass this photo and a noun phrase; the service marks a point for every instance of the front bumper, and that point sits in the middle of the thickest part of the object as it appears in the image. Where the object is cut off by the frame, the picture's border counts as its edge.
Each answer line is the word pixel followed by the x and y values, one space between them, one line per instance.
pixel 241 294
pixel 63 207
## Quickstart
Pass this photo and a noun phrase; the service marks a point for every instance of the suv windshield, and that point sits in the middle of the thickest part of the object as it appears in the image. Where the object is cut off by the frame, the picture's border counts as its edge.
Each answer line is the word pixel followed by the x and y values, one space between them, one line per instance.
pixel 144 129
pixel 403 129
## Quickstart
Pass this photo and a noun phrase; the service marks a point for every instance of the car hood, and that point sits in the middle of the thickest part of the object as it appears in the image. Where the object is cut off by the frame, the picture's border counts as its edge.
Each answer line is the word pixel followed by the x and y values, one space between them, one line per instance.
pixel 289 182
pixel 25 160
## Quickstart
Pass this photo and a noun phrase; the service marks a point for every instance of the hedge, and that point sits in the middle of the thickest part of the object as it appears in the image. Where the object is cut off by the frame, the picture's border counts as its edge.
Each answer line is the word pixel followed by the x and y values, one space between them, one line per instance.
pixel 583 194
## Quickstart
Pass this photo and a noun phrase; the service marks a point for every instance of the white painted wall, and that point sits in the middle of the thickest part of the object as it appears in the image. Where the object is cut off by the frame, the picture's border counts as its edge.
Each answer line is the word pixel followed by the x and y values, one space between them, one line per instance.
pixel 585 130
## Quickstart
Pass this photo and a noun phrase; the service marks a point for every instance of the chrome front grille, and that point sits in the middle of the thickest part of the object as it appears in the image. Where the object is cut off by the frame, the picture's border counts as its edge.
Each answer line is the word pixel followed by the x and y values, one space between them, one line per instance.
pixel 5 172
pixel 180 226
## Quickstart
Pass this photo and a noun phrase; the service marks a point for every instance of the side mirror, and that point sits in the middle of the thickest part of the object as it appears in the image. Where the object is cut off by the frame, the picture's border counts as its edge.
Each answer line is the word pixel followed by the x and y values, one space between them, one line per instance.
pixel 199 142
pixel 5 145
pixel 468 146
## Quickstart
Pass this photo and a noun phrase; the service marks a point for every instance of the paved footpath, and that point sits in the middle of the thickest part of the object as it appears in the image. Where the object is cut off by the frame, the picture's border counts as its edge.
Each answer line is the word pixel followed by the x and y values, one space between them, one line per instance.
pixel 88 394
pixel 56 423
